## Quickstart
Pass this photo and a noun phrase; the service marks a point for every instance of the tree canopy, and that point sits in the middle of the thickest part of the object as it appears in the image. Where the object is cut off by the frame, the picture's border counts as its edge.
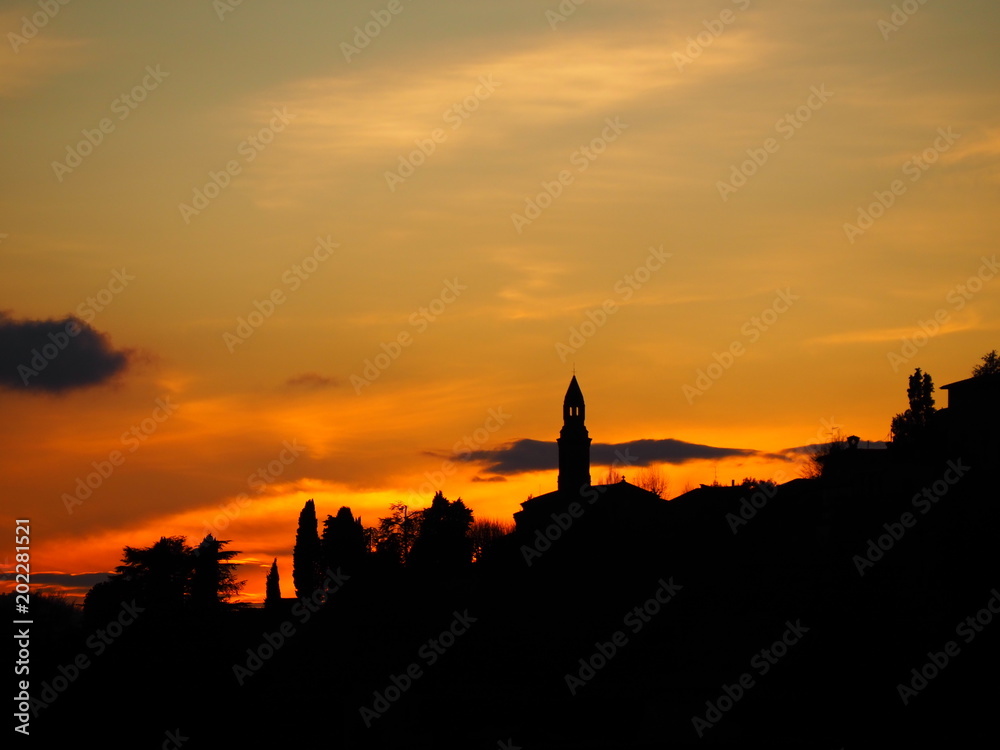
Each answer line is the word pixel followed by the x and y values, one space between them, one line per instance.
pixel 443 542
pixel 213 579
pixel 272 587
pixel 912 427
pixel 170 575
pixel 344 541
pixel 307 554
pixel 990 365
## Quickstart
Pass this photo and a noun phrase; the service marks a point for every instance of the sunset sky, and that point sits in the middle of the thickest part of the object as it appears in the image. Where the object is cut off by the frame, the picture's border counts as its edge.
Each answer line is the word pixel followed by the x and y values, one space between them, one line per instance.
pixel 318 249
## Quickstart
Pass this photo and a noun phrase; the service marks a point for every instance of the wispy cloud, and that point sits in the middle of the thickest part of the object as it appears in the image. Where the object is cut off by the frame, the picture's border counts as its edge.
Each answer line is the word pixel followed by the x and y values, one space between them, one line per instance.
pixel 27 65
pixel 312 381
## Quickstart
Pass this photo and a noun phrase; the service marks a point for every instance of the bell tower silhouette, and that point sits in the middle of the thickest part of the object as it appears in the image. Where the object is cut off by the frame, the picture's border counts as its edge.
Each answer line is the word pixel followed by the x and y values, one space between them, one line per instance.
pixel 574 442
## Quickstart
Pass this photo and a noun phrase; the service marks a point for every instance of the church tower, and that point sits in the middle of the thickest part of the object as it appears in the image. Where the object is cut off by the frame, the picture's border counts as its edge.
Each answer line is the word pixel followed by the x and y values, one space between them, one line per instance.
pixel 574 443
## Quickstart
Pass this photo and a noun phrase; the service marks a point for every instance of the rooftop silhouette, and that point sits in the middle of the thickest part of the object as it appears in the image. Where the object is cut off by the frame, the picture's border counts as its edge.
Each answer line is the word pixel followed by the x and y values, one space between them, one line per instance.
pixel 606 616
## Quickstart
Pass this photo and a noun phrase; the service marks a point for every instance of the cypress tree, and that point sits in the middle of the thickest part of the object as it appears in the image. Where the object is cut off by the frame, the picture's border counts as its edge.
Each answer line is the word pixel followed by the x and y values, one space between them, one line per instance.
pixel 272 587
pixel 306 571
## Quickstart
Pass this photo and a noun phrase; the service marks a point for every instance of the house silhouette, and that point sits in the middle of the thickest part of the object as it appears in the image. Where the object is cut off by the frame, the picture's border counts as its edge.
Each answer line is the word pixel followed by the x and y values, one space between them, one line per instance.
pixel 617 503
pixel 972 417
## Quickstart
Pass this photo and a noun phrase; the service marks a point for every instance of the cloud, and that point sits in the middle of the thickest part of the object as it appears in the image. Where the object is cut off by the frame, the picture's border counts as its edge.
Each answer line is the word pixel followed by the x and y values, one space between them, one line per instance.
pixel 71 585
pixel 953 323
pixel 55 356
pixel 791 454
pixel 69 580
pixel 535 455
pixel 312 381
pixel 550 91
pixel 38 59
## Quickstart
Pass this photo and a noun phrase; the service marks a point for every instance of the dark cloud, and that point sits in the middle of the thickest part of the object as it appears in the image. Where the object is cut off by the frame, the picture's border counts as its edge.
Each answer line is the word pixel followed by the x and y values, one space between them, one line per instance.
pixel 312 381
pixel 54 356
pixel 790 454
pixel 535 455
pixel 494 478
pixel 69 580
pixel 71 585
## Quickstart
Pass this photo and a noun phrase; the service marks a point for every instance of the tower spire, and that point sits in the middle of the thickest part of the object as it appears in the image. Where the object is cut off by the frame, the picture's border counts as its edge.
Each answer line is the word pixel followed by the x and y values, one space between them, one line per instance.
pixel 574 442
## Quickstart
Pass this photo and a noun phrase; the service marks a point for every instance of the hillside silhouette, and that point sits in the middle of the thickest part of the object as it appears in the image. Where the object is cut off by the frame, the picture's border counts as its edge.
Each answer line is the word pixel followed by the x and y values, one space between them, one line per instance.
pixel 854 607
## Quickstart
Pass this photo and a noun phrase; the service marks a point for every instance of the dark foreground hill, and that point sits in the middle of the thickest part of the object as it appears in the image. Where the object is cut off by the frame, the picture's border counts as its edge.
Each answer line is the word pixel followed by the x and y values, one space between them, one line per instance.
pixel 857 610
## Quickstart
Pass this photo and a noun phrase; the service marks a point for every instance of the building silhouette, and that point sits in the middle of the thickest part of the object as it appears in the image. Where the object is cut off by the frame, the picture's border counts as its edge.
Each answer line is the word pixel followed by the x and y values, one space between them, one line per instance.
pixel 972 417
pixel 618 503
pixel 574 442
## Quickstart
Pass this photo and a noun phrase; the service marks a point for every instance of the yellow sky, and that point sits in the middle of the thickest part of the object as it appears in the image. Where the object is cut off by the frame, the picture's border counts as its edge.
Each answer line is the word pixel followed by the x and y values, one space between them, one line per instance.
pixel 479 198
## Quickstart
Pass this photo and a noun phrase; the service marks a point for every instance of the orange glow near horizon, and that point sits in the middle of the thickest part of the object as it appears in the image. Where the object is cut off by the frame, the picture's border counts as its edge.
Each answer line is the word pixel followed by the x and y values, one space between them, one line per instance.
pixel 327 272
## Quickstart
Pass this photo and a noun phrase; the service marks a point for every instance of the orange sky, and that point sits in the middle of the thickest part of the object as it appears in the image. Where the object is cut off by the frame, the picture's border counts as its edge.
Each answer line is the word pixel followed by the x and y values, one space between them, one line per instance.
pixel 476 200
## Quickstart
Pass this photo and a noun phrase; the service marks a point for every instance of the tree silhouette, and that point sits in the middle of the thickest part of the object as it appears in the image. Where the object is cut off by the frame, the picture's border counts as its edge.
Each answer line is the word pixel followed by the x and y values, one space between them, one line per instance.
pixel 752 483
pixel 653 480
pixel 169 575
pixel 213 579
pixel 613 476
pixel 395 535
pixel 344 542
pixel 443 542
pixel 816 456
pixel 158 575
pixel 272 587
pixel 104 598
pixel 990 365
pixel 307 554
pixel 912 427
pixel 484 535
